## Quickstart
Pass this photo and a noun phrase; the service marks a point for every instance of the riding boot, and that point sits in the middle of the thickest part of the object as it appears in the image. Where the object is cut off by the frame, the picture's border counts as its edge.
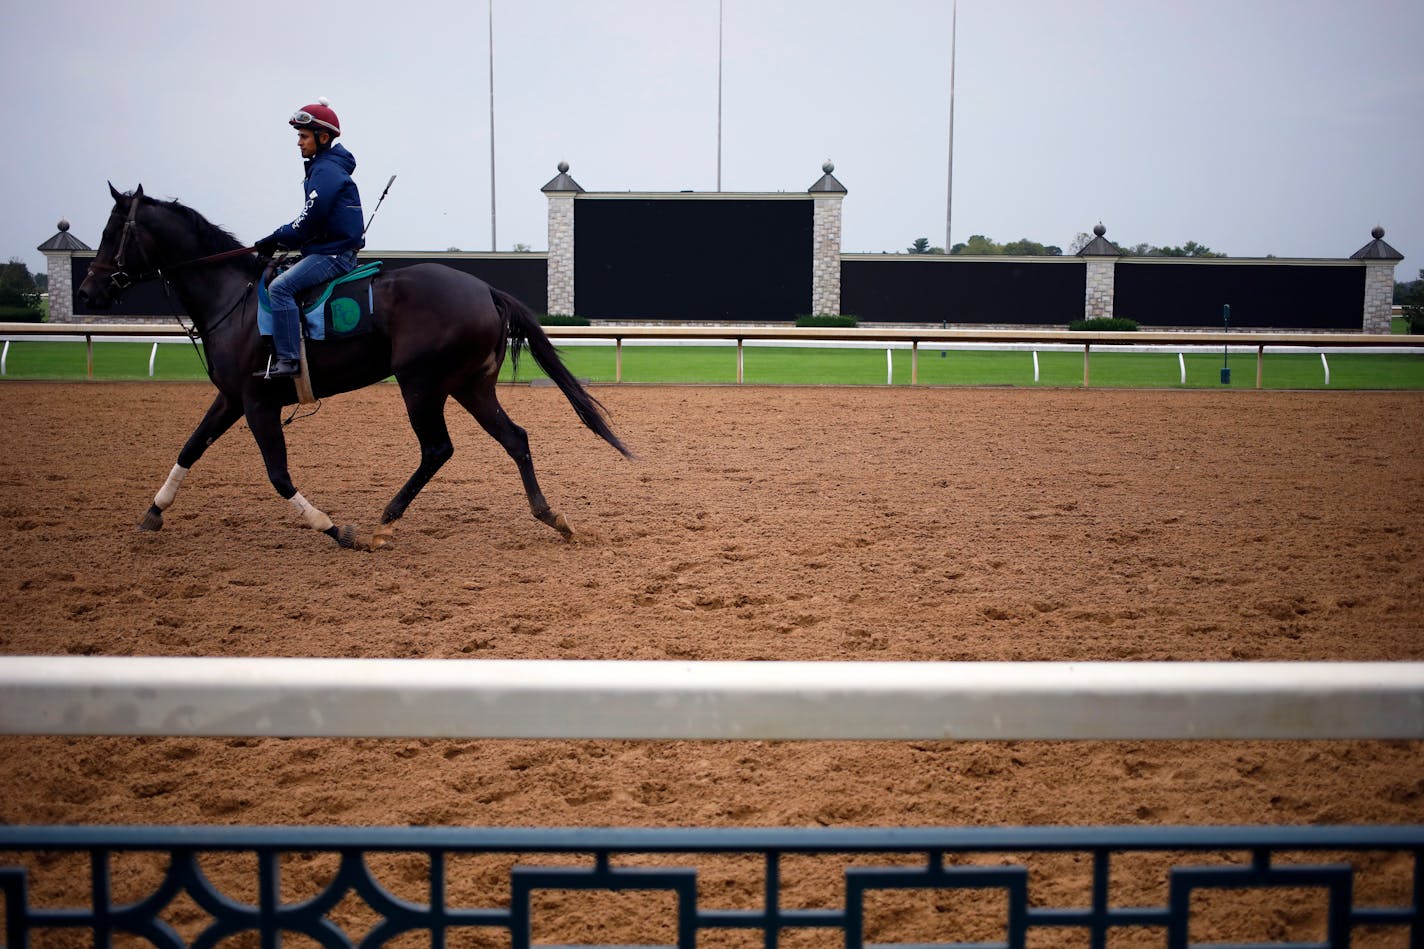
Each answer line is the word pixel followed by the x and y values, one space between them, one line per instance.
pixel 287 341
pixel 280 368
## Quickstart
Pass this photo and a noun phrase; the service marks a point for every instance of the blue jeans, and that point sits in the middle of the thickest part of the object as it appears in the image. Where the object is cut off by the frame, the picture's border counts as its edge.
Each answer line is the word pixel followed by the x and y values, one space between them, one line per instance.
pixel 281 293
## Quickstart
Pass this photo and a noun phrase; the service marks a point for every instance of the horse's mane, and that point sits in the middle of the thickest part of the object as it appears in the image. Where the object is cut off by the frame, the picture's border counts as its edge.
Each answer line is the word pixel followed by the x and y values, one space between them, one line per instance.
pixel 209 238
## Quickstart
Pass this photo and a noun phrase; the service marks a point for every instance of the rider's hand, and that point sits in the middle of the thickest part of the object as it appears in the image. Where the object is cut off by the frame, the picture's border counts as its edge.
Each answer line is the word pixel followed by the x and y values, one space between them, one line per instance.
pixel 265 247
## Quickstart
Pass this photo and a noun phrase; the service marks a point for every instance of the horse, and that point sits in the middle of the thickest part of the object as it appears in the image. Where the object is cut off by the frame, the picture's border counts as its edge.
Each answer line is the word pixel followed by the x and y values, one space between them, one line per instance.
pixel 441 332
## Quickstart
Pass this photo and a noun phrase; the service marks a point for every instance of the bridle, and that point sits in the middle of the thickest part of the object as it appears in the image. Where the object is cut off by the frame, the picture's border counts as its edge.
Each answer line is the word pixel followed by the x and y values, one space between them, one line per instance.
pixel 119 278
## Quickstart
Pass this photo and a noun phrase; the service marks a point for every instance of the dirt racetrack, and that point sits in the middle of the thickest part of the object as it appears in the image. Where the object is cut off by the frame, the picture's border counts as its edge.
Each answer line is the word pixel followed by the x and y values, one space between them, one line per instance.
pixel 759 523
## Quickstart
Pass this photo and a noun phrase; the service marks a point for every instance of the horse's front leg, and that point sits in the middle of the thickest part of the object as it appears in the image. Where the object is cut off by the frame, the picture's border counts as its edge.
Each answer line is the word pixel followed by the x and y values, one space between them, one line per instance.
pixel 219 418
pixel 265 420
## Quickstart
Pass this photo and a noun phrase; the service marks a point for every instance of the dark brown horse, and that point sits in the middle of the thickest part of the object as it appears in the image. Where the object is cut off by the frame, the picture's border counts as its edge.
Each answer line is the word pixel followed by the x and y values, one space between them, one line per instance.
pixel 441 333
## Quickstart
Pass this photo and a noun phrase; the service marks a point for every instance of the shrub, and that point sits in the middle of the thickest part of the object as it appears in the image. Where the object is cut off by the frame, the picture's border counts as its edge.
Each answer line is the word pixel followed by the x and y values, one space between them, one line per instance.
pixel 1103 324
pixel 562 319
pixel 20 314
pixel 828 319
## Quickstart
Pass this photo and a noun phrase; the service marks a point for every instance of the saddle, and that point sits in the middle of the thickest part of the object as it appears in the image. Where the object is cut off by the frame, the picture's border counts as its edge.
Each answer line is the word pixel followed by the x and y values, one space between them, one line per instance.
pixel 338 309
pixel 334 310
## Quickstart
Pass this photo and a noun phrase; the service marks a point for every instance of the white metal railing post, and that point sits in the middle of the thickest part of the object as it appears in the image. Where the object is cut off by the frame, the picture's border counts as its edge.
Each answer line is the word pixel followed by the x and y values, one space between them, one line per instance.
pixel 4 357
pixel 739 361
pixel 618 359
pixel 1182 364
pixel 152 358
pixel 1035 365
pixel 1326 363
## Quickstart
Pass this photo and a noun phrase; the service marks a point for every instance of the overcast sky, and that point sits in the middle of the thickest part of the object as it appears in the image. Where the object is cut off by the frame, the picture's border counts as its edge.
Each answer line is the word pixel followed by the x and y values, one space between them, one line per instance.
pixel 1286 127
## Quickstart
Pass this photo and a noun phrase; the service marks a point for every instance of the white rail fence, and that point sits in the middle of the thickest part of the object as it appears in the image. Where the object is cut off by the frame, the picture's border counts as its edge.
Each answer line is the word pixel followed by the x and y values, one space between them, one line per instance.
pixel 889 338
pixel 416 698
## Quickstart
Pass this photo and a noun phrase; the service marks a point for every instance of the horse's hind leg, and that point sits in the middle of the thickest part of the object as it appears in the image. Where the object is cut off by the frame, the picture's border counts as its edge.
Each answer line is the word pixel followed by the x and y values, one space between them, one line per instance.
pixel 484 406
pixel 219 418
pixel 427 418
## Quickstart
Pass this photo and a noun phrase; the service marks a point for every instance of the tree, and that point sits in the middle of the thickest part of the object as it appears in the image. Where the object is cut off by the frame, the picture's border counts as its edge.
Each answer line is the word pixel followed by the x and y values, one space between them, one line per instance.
pixel 1023 247
pixel 922 246
pixel 1189 249
pixel 979 246
pixel 42 282
pixel 1412 299
pixel 17 287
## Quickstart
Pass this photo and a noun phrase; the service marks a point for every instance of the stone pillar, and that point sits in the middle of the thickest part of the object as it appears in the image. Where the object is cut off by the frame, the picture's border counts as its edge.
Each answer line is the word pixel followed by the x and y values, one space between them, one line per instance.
pixel 1098 300
pixel 1100 257
pixel 1379 296
pixel 59 265
pixel 826 244
pixel 1379 259
pixel 561 192
pixel 59 256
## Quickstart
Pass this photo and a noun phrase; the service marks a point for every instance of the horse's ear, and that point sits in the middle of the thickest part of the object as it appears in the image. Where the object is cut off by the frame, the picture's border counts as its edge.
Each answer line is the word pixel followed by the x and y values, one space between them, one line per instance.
pixel 115 192
pixel 138 192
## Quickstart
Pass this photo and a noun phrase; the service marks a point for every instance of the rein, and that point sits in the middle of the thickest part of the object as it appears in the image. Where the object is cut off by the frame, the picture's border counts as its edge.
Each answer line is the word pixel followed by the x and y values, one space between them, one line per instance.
pixel 193 332
pixel 120 278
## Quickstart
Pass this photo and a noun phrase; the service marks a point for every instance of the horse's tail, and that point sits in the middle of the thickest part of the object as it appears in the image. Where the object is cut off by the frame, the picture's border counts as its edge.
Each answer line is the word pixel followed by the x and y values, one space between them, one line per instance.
pixel 524 329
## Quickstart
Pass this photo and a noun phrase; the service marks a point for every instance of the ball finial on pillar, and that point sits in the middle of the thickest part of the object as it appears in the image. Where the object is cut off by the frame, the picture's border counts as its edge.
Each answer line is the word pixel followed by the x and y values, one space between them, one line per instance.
pixel 1099 230
pixel 63 224
pixel 1377 233
pixel 563 167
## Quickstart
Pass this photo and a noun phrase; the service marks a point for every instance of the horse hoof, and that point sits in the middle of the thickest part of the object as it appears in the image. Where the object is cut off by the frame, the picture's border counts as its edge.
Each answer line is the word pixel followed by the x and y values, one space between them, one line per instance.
pixel 345 535
pixel 152 520
pixel 561 524
pixel 382 537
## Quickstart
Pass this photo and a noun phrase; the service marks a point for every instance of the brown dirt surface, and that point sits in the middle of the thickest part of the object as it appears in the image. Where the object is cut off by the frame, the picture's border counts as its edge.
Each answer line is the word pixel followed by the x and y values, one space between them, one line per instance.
pixel 758 523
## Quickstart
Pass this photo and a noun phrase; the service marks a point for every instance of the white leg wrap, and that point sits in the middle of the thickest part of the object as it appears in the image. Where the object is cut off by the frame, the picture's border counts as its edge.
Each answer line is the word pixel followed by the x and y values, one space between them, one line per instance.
pixel 315 519
pixel 169 491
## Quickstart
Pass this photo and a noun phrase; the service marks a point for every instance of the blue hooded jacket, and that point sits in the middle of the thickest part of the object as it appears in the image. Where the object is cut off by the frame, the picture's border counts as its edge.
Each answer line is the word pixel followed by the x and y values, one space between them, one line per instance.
pixel 331 219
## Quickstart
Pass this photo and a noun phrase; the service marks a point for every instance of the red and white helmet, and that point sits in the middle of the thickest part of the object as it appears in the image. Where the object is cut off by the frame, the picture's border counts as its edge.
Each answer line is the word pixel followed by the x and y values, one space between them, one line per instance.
pixel 318 117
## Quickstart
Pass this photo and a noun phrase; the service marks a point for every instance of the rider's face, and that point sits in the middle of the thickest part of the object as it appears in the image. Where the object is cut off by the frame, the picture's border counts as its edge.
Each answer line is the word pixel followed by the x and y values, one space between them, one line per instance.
pixel 306 141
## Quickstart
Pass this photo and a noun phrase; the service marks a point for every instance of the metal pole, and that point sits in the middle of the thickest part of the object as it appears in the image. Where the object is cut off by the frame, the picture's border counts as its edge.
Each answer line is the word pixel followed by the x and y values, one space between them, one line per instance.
pixel 949 190
pixel 494 245
pixel 719 95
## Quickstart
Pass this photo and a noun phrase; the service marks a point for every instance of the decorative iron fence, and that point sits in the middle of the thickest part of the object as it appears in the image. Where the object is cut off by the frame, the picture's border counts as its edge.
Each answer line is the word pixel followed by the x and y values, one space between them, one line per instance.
pixel 150 883
pixel 874 862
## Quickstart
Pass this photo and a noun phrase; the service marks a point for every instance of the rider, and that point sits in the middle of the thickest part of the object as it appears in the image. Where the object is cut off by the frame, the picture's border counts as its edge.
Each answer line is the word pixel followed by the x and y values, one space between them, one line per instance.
pixel 327 232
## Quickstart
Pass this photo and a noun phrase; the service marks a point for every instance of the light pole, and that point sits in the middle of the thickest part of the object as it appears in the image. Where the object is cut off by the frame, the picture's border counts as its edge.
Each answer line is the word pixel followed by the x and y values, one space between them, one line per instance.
pixel 493 243
pixel 949 191
pixel 719 95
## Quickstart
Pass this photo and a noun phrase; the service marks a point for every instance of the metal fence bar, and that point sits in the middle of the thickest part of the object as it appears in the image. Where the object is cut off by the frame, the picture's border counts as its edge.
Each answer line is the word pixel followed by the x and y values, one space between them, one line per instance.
pixel 870 334
pixel 83 695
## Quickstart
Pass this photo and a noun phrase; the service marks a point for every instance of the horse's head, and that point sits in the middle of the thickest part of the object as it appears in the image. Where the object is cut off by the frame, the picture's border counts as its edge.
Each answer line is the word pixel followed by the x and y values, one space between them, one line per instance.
pixel 124 250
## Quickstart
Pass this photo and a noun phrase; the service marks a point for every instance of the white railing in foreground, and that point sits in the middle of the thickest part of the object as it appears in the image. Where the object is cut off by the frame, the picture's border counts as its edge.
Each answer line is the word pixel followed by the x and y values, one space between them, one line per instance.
pixel 66 695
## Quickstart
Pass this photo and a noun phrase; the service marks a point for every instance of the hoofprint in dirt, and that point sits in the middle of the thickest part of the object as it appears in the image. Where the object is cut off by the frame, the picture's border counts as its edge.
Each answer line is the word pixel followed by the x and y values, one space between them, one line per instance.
pixel 758 523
